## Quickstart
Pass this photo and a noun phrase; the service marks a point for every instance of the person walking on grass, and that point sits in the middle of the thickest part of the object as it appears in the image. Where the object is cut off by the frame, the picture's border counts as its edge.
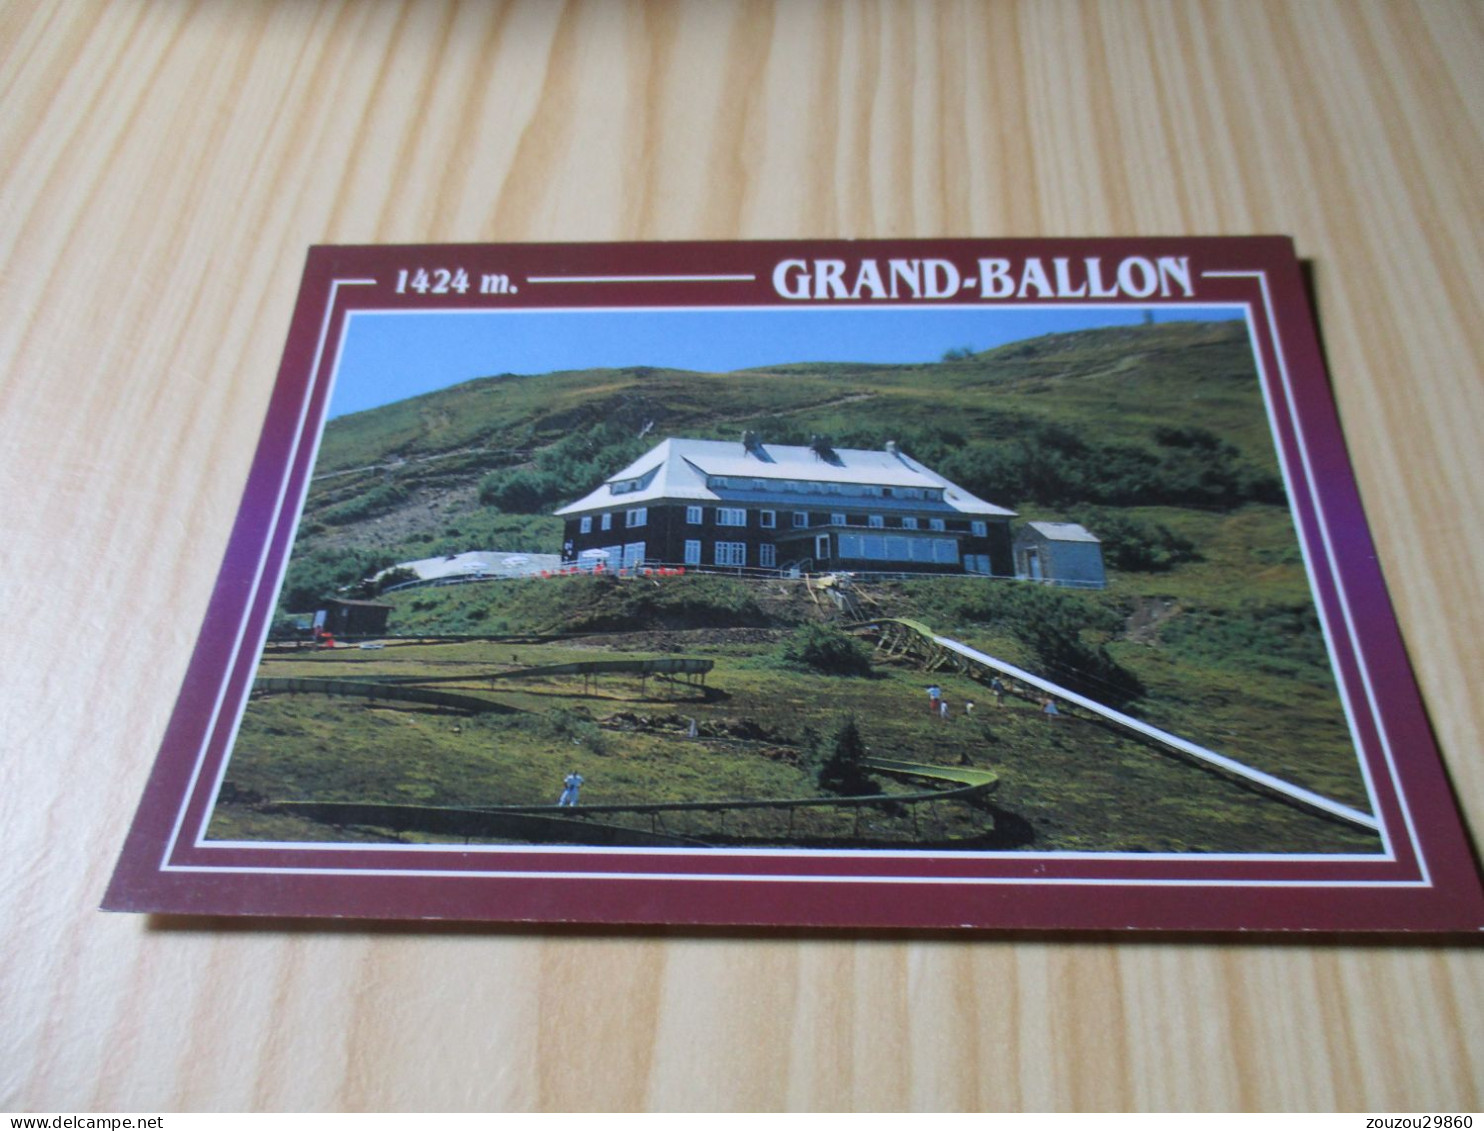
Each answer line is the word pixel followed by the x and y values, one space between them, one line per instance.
pixel 573 783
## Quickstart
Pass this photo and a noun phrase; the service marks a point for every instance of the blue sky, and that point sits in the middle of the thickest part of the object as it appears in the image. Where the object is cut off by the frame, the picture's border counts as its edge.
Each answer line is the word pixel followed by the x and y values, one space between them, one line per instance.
pixel 391 356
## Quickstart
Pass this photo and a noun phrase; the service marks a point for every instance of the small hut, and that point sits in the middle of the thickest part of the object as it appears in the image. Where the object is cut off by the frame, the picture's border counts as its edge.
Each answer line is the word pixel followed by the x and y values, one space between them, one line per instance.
pixel 1061 553
pixel 356 618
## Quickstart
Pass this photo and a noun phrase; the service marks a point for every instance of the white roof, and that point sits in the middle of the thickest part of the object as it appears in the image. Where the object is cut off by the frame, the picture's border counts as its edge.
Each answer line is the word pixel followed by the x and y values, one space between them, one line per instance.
pixel 487 563
pixel 1063 532
pixel 680 469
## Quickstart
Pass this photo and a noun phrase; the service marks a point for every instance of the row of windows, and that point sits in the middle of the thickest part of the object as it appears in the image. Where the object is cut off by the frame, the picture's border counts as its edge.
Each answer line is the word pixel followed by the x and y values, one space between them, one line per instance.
pixel 633 554
pixel 730 554
pixel 856 547
pixel 812 487
pixel 864 547
pixel 895 548
pixel 638 516
pixel 614 557
pixel 768 520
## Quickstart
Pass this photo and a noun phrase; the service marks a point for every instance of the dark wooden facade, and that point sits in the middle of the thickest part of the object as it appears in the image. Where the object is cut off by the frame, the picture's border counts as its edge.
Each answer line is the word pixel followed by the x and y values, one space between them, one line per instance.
pixel 770 536
pixel 356 618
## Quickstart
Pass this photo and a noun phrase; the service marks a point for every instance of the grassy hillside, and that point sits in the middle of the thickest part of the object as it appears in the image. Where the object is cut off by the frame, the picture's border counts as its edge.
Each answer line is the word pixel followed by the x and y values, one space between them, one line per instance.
pixel 762 730
pixel 1068 425
pixel 584 604
pixel 1154 436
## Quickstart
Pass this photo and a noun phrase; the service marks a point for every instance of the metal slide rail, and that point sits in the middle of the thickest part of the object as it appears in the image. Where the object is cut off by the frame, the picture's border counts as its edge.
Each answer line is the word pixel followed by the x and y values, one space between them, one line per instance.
pixel 961 775
pixel 662 667
pixel 360 689
pixel 1305 797
pixel 547 821
pixel 959 792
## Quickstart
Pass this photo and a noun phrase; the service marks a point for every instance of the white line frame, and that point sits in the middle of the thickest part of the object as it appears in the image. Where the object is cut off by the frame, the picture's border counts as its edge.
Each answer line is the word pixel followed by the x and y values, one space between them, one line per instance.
pixel 1387 856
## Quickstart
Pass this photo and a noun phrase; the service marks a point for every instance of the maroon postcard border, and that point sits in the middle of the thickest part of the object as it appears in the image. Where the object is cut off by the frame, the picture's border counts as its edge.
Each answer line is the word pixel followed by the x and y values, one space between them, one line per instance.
pixel 1427 882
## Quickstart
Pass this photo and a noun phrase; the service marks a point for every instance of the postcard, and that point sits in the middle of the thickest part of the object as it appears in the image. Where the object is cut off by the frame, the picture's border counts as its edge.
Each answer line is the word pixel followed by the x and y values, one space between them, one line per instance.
pixel 995 584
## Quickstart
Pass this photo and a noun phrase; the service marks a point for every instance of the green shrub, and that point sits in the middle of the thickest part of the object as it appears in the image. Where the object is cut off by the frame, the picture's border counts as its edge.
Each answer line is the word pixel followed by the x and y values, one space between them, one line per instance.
pixel 1059 627
pixel 1135 545
pixel 565 470
pixel 825 649
pixel 398 576
pixel 1281 640
pixel 1055 465
pixel 375 502
pixel 320 574
pixel 520 492
pixel 286 627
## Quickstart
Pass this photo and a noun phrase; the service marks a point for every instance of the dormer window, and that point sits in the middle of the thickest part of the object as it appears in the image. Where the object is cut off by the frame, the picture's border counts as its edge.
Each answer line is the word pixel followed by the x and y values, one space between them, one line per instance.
pixel 626 486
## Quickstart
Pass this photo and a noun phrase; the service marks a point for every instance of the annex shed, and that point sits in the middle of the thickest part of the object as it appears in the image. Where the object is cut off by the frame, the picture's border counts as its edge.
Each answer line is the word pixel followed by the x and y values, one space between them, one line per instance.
pixel 356 618
pixel 1062 553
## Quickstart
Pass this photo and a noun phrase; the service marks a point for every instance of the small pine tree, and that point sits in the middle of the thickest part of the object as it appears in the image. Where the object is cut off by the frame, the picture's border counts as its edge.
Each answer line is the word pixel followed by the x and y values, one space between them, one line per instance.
pixel 844 772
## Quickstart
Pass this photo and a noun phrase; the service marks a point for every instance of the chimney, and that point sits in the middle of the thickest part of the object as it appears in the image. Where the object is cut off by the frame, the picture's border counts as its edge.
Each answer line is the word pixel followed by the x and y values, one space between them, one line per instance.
pixel 751 442
pixel 892 449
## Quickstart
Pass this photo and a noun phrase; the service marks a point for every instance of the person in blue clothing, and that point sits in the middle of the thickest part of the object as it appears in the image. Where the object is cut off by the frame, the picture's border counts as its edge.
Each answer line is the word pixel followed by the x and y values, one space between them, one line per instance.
pixel 573 782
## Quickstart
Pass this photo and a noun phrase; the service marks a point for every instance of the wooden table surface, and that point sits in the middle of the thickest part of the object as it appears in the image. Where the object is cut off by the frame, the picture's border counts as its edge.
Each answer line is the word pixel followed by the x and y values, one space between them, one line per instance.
pixel 163 167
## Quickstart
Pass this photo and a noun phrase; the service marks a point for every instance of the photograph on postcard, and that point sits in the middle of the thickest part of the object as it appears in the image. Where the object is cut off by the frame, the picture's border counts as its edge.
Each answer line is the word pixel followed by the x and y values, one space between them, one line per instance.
pixel 950 579
pixel 906 584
